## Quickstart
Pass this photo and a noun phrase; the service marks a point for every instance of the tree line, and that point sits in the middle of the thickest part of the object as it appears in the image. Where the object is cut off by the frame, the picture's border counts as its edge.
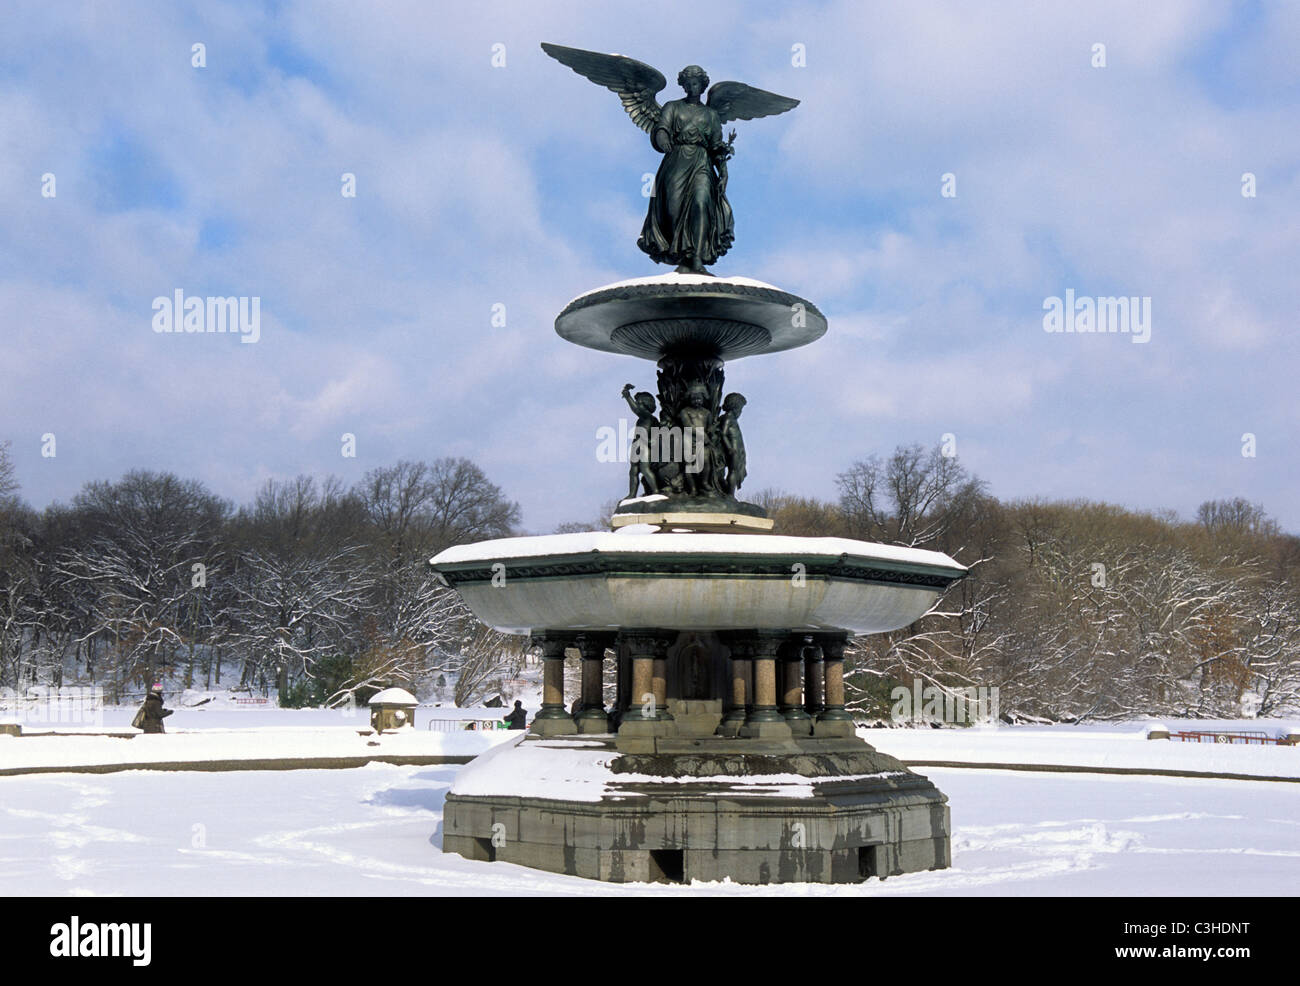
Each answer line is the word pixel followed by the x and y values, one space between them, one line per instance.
pixel 1073 610
pixel 316 589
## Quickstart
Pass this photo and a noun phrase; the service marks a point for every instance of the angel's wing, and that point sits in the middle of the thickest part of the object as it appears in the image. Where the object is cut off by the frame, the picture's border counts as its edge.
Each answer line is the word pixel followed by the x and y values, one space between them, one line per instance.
pixel 636 83
pixel 737 101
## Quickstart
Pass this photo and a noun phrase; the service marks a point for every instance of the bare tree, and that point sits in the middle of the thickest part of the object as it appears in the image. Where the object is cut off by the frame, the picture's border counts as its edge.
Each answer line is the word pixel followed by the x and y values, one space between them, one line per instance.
pixel 8 481
pixel 915 498
pixel 1237 516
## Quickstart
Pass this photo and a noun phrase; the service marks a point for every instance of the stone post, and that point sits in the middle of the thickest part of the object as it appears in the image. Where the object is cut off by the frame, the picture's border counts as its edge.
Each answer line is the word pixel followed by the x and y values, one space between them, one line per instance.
pixel 814 689
pixel 553 720
pixel 791 653
pixel 591 718
pixel 834 720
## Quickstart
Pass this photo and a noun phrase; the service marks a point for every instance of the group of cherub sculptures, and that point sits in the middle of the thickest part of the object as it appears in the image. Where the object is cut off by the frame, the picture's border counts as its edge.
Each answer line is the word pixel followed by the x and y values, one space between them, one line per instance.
pixel 697 452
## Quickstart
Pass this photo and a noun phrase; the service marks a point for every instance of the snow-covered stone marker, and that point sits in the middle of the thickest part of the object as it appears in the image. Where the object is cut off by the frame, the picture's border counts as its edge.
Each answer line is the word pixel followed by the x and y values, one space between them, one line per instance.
pixel 392 708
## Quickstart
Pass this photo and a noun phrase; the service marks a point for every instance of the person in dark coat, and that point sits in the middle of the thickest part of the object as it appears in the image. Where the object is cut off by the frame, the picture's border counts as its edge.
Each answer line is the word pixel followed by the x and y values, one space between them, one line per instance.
pixel 151 715
pixel 518 718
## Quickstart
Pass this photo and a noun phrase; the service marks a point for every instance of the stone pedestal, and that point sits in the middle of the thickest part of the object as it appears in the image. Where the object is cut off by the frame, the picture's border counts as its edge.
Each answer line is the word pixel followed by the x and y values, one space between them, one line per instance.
pixel 696 717
pixel 806 810
pixel 639 735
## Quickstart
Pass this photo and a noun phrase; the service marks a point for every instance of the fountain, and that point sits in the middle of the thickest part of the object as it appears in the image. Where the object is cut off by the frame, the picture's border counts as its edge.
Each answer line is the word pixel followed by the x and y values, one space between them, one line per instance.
pixel 728 753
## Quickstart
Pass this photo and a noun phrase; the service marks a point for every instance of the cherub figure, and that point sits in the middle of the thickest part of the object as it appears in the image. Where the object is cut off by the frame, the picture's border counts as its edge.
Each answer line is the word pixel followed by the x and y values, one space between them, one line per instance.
pixel 640 467
pixel 698 441
pixel 733 443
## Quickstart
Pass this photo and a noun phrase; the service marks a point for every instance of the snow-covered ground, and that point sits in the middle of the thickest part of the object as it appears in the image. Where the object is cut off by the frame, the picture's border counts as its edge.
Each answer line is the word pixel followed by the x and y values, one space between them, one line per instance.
pixel 375 830
pixel 207 745
pixel 223 730
pixel 1123 746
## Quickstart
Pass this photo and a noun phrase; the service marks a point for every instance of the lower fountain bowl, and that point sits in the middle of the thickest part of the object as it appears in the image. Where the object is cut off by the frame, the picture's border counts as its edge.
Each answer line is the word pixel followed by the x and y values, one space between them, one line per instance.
pixel 695 581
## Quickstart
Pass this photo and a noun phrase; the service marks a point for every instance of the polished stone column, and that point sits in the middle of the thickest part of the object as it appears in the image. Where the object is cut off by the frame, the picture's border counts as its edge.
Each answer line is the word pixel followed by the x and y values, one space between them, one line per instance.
pixel 659 678
pixel 742 685
pixel 645 719
pixel 648 649
pixel 814 687
pixel 554 719
pixel 834 719
pixel 764 719
pixel 792 710
pixel 591 717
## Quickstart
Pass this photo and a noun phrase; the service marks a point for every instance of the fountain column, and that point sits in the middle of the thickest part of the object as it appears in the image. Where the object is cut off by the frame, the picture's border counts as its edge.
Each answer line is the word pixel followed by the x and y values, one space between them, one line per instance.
pixel 554 719
pixel 792 709
pixel 591 717
pixel 659 678
pixel 814 688
pixel 834 720
pixel 764 720
pixel 648 648
pixel 742 692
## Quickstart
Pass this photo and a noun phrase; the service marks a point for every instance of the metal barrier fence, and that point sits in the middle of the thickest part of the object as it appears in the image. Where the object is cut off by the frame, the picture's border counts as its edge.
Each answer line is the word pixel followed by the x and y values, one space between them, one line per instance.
pixel 1245 736
pixel 456 725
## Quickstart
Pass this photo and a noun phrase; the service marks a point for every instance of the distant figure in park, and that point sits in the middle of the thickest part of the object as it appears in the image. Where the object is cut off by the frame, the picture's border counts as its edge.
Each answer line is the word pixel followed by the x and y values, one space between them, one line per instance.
pixel 518 718
pixel 643 406
pixel 733 443
pixel 151 715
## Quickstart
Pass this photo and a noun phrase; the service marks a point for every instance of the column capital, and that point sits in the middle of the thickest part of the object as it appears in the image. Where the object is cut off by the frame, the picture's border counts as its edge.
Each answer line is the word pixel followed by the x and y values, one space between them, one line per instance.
pixel 832 644
pixel 552 642
pixel 593 644
pixel 648 640
pixel 793 647
pixel 754 645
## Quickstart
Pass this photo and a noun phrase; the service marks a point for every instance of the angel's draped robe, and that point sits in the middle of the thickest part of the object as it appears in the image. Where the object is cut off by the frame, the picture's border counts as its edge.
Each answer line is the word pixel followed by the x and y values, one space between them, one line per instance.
pixel 689 216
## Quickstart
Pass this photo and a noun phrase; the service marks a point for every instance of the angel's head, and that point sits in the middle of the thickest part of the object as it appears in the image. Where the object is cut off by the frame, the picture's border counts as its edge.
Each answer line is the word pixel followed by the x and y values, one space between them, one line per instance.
pixel 693 79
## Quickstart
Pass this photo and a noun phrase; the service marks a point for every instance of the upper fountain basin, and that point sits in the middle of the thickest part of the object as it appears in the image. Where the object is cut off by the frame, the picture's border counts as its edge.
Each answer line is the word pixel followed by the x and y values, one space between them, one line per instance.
pixel 693 581
pixel 726 317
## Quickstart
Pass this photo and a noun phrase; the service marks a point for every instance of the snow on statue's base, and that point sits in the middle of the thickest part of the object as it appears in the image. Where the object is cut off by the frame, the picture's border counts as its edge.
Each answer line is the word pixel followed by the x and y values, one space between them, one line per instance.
pixel 802 810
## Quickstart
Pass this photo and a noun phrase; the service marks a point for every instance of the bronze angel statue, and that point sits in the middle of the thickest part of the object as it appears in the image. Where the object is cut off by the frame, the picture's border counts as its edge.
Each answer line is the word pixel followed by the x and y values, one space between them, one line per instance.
pixel 689 222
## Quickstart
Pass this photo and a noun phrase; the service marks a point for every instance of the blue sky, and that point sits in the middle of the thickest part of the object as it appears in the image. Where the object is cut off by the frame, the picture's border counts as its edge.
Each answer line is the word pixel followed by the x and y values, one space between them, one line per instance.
pixel 521 186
